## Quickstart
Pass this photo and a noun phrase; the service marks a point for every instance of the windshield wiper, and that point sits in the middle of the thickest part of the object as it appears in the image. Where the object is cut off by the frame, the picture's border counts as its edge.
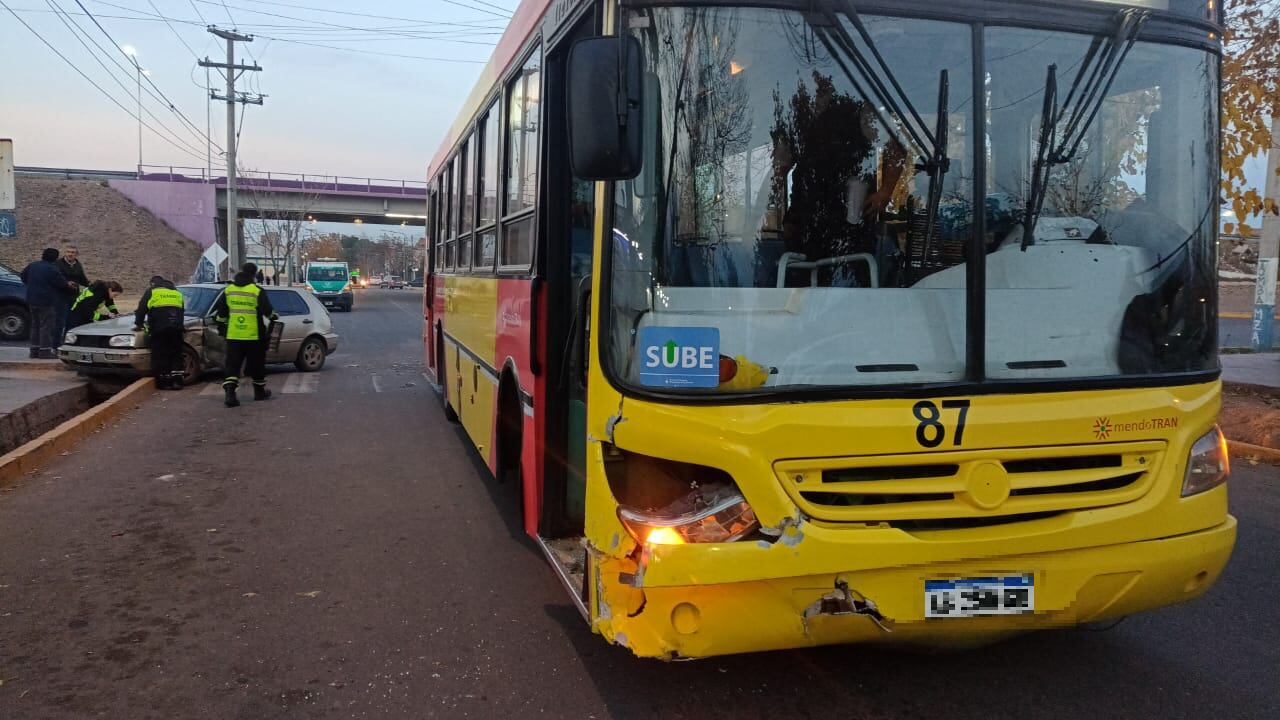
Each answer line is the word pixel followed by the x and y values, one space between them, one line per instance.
pixel 930 146
pixel 1100 65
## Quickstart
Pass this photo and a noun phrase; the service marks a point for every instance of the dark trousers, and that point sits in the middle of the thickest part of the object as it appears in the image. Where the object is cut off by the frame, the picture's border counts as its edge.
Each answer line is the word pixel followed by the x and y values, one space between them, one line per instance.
pixel 251 355
pixel 62 310
pixel 44 325
pixel 166 352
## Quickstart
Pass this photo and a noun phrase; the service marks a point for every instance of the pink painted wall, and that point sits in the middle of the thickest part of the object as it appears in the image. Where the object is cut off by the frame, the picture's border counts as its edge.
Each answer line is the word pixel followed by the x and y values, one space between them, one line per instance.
pixel 189 208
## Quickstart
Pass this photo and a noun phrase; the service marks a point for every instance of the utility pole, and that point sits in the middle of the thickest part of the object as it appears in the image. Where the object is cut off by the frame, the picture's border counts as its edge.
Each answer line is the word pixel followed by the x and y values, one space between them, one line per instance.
pixel 1264 297
pixel 235 243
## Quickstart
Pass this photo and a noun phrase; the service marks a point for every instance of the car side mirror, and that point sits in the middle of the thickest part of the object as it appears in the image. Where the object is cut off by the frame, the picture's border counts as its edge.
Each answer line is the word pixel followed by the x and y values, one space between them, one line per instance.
pixel 605 103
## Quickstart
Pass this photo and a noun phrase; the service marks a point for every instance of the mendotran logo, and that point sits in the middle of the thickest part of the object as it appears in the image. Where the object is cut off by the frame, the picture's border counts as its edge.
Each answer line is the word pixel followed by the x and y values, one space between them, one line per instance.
pixel 680 357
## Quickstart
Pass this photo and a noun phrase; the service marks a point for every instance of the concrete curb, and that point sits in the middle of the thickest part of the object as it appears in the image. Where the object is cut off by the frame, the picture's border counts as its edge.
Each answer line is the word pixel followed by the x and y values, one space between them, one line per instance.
pixel 33 454
pixel 1265 454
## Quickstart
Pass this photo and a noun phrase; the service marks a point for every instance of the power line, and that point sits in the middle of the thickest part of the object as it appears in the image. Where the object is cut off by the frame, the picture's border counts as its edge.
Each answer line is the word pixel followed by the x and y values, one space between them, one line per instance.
pixel 91 81
pixel 373 52
pixel 77 31
pixel 328 27
pixel 173 108
pixel 358 14
pixel 305 20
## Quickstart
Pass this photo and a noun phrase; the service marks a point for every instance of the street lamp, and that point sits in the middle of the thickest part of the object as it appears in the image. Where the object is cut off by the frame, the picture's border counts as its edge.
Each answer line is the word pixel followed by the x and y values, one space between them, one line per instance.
pixel 132 53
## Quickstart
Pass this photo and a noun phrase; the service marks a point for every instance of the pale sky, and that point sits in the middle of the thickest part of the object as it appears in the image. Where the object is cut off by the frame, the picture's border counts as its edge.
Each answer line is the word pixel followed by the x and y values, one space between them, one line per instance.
pixel 328 111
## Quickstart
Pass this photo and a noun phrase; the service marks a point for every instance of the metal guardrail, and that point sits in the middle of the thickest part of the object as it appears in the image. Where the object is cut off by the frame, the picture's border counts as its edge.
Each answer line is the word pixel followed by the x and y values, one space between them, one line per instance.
pixel 304 182
pixel 287 181
pixel 74 173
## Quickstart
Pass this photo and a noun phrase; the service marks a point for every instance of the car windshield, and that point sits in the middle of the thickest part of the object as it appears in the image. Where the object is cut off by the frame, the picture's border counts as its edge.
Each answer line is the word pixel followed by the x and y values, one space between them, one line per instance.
pixel 327 273
pixel 196 300
pixel 775 237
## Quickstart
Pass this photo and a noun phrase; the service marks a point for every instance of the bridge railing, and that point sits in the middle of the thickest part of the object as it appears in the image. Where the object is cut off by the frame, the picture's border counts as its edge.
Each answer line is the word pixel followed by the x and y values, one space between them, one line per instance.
pixel 298 182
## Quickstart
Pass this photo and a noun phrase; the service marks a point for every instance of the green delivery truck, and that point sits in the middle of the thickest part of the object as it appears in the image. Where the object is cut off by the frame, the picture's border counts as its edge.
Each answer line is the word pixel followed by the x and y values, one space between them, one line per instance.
pixel 330 281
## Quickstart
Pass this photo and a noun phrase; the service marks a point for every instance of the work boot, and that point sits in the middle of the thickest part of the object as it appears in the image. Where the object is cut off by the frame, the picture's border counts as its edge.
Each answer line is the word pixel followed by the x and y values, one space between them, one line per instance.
pixel 175 381
pixel 35 353
pixel 48 354
pixel 231 399
pixel 162 382
pixel 260 392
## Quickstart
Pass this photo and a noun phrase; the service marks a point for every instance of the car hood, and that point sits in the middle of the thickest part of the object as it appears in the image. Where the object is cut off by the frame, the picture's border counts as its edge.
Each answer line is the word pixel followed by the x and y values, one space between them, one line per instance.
pixel 122 325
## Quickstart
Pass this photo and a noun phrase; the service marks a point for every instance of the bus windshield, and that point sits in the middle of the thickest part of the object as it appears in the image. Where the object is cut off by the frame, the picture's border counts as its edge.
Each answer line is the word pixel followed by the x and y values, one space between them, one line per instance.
pixel 327 273
pixel 777 235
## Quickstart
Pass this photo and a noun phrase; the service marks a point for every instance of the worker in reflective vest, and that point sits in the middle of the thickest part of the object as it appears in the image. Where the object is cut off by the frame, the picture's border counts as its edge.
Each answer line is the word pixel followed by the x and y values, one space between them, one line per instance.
pixel 95 302
pixel 161 313
pixel 245 309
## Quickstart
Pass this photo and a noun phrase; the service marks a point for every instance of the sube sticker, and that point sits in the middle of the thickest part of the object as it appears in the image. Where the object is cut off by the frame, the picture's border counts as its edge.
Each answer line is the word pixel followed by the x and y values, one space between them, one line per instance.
pixel 683 357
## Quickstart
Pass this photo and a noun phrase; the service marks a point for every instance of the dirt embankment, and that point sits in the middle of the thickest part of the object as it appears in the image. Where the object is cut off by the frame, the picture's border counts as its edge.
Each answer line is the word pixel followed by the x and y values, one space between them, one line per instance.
pixel 117 239
pixel 1251 417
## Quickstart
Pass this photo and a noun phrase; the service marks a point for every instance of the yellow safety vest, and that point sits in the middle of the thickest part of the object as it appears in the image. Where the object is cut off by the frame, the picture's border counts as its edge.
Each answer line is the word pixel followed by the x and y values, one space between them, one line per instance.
pixel 164 297
pixel 85 294
pixel 242 304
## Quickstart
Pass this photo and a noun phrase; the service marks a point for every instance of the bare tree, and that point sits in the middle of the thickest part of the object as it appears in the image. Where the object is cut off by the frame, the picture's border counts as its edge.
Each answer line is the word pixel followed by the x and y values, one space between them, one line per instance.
pixel 281 232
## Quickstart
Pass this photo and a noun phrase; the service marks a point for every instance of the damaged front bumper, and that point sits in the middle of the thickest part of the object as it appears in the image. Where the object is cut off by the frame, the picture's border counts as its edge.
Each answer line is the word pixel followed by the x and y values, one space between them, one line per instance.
pixel 636 605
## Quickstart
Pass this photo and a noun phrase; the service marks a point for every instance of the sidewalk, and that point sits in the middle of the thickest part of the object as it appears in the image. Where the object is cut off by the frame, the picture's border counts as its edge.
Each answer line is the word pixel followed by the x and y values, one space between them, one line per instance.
pixel 1261 370
pixel 12 357
pixel 33 401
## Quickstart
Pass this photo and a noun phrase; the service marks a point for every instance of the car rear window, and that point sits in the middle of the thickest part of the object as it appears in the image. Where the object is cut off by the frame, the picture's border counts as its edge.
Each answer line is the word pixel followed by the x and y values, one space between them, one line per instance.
pixel 287 302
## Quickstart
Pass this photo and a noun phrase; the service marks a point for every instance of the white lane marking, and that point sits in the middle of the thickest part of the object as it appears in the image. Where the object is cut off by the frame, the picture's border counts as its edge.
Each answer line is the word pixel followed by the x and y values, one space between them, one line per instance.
pixel 377 386
pixel 310 383
pixel 301 384
pixel 291 385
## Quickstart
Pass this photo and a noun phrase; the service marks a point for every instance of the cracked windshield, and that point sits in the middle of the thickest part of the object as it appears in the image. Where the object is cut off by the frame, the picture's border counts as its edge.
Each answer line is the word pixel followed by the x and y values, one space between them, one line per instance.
pixel 807 200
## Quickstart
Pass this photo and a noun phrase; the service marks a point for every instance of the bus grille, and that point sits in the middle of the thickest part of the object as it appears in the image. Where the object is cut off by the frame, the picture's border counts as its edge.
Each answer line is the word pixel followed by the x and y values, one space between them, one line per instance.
pixel 970 488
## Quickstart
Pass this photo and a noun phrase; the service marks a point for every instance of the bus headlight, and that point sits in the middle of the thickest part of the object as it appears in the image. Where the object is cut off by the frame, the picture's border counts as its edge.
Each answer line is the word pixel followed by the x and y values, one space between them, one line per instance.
pixel 708 514
pixel 1208 464
pixel 121 341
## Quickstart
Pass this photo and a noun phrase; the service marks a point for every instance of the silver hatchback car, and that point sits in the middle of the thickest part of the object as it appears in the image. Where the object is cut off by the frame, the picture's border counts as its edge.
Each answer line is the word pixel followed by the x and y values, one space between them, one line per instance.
pixel 111 346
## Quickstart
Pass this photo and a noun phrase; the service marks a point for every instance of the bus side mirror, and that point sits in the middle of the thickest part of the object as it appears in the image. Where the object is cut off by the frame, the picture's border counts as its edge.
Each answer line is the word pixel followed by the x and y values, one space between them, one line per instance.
pixel 605 91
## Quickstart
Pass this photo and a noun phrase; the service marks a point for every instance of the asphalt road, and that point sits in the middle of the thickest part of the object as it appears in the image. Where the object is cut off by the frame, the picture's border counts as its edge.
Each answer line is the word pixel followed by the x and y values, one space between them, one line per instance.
pixel 337 552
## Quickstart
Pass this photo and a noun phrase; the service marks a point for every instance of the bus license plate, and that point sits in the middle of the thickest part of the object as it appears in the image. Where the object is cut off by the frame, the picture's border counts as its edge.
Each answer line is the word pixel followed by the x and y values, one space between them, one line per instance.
pixel 979 597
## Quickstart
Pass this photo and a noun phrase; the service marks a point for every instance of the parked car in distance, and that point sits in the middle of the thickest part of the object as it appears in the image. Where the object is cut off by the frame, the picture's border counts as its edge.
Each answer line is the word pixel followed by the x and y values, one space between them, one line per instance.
pixel 416 282
pixel 395 282
pixel 15 319
pixel 111 346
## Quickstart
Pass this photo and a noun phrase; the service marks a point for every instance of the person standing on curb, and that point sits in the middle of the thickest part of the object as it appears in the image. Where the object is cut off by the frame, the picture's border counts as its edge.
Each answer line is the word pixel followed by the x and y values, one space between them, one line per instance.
pixel 46 288
pixel 245 309
pixel 71 268
pixel 160 311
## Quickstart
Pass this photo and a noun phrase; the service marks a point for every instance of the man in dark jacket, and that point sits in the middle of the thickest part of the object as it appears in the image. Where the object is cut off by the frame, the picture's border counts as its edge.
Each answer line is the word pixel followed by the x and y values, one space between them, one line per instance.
pixel 160 312
pixel 46 288
pixel 71 269
pixel 246 310
pixel 95 302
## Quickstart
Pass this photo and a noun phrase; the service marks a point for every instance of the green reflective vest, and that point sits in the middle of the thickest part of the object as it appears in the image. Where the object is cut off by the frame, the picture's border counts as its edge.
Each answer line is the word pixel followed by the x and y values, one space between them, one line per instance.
pixel 85 294
pixel 164 297
pixel 242 305
pixel 104 309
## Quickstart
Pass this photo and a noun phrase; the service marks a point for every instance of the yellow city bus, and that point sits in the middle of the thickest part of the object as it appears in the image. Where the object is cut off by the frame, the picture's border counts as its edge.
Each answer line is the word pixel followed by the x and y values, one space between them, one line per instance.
pixel 708 289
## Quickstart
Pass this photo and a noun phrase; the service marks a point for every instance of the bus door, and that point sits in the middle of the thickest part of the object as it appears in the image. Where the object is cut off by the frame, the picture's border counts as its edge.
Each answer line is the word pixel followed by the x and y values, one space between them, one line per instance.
pixel 569 250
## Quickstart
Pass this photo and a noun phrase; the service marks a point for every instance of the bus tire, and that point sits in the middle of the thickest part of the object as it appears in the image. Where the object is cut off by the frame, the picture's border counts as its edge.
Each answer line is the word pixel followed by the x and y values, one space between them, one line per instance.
pixel 510 434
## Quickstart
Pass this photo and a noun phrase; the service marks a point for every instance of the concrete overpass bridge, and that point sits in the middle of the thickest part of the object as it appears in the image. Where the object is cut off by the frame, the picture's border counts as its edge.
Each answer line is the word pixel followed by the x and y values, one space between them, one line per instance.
pixel 324 198
pixel 194 202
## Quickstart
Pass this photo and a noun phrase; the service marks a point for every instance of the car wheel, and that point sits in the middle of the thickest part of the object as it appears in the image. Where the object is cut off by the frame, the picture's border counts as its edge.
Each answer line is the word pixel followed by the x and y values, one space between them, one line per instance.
pixel 191 368
pixel 311 355
pixel 14 322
